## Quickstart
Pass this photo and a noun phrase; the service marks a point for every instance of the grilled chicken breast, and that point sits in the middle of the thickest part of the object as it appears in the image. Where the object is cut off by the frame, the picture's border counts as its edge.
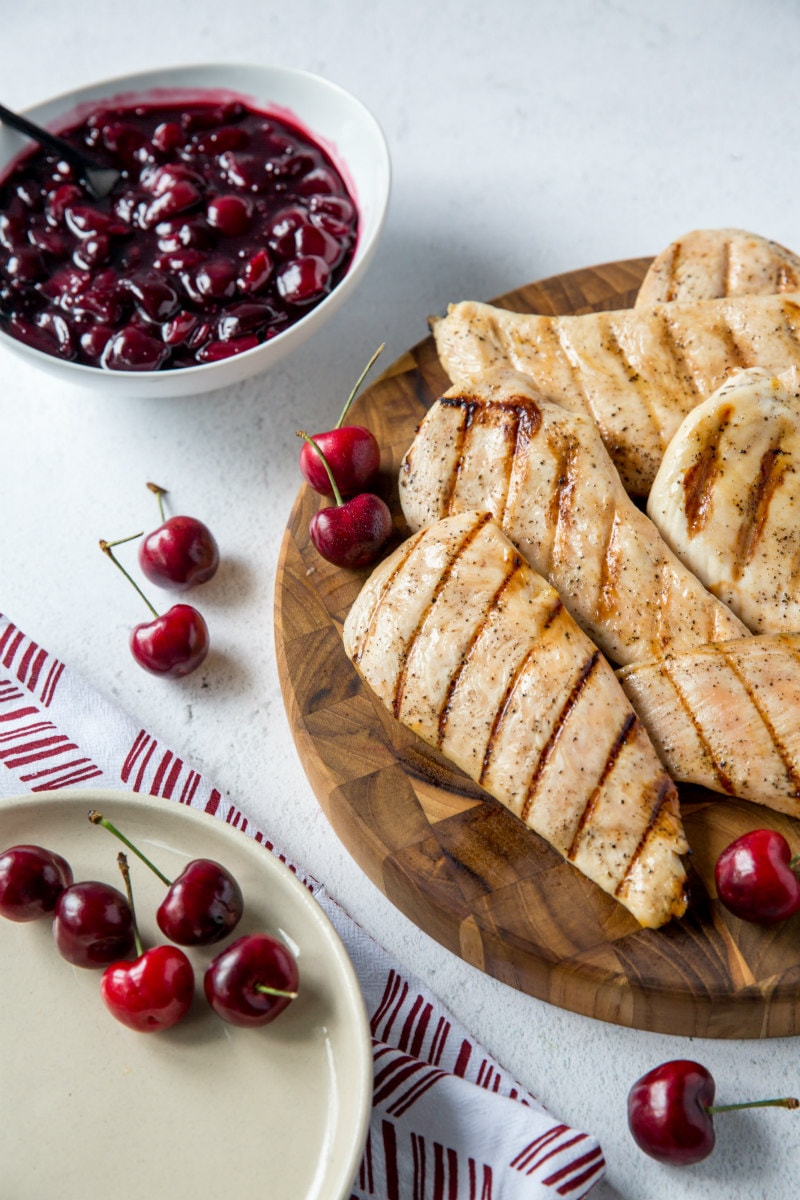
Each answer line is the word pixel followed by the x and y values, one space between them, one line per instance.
pixel 473 650
pixel 547 479
pixel 727 497
pixel 637 372
pixel 707 264
pixel 725 716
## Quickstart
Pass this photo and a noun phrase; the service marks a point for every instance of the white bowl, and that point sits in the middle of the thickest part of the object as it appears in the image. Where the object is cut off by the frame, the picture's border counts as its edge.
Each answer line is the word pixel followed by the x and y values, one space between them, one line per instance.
pixel 334 118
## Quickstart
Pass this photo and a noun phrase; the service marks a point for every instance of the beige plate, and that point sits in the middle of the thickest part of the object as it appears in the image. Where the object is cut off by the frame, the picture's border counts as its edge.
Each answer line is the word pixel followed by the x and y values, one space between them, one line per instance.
pixel 91 1108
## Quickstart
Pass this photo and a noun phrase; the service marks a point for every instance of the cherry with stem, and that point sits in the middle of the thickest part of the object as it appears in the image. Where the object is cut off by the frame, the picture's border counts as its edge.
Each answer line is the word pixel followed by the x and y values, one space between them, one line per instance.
pixel 202 906
pixel 349 533
pixel 252 980
pixel 352 452
pixel 173 644
pixel 180 553
pixel 153 992
pixel 671 1112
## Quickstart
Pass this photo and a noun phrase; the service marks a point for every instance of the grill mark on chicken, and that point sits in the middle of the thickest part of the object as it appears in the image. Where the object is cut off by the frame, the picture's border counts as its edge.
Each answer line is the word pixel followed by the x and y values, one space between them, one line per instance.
pixel 725 784
pixel 408 548
pixel 698 481
pixel 792 773
pixel 671 339
pixel 455 555
pixel 569 707
pixel 792 576
pixel 736 354
pixel 727 247
pixel 771 472
pixel 504 705
pixel 672 288
pixel 457 676
pixel 467 407
pixel 525 419
pixel 615 347
pixel 571 356
pixel 510 428
pixel 665 788
pixel 566 454
pixel 530 415
pixel 607 601
pixel 591 804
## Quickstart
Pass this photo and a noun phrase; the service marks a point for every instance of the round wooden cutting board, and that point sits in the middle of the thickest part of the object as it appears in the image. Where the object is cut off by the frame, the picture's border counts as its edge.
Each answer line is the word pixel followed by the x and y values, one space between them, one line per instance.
pixel 460 866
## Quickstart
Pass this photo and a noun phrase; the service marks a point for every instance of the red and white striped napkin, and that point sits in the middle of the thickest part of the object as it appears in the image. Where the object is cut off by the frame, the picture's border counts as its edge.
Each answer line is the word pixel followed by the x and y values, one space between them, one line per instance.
pixel 448 1123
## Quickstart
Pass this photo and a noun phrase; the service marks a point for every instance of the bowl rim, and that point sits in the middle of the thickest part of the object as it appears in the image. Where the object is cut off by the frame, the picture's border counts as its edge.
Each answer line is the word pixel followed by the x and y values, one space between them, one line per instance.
pixel 139 85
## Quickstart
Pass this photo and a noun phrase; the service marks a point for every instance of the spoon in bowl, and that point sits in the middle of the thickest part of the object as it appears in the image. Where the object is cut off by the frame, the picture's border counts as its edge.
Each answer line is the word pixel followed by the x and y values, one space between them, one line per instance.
pixel 99 180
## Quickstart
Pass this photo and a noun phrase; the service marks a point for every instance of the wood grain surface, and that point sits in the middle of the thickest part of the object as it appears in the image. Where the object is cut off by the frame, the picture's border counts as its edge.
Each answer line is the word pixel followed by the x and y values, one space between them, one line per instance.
pixel 460 866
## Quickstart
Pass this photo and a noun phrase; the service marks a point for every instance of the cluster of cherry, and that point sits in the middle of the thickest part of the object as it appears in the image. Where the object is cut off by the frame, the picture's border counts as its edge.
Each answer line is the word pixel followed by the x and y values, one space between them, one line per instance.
pixel 342 464
pixel 250 982
pixel 180 553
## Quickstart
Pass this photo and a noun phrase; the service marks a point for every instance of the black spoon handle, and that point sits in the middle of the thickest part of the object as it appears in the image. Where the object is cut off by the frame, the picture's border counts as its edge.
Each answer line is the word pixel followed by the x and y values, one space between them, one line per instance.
pixel 16 121
pixel 99 180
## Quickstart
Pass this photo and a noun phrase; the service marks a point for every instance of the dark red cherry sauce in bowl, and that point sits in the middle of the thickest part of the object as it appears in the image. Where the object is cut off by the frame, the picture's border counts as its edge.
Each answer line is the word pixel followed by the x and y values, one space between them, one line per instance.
pixel 241 218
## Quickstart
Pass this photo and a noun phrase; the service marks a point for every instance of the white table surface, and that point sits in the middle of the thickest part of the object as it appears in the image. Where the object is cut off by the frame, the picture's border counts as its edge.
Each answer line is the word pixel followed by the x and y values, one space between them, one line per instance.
pixel 528 138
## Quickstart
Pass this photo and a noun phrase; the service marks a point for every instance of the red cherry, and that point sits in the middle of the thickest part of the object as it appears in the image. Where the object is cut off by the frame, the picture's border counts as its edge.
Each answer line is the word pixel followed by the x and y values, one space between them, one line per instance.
pixel 151 993
pixel 203 905
pixel 230 214
pixel 354 457
pixel 755 877
pixel 174 644
pixel 131 349
pixel 251 981
pixel 352 534
pixel 668 1112
pixel 93 924
pixel 180 553
pixel 303 280
pixel 155 990
pixel 31 880
pixel 349 533
pixel 352 452
pixel 671 1111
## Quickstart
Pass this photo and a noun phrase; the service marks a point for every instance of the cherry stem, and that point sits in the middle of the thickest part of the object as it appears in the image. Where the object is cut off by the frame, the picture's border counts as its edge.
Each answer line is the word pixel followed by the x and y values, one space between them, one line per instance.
pixel 160 494
pixel 786 1102
pixel 122 863
pixel 794 862
pixel 361 379
pixel 97 818
pixel 106 547
pixel 266 990
pixel 337 495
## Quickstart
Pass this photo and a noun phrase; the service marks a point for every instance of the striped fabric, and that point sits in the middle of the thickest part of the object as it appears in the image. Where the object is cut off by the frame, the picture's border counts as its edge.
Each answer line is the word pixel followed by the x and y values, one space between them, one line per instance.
pixel 448 1123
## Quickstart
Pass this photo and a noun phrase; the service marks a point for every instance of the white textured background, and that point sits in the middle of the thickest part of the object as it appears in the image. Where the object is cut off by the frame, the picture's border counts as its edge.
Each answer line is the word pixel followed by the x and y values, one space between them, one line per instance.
pixel 527 138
